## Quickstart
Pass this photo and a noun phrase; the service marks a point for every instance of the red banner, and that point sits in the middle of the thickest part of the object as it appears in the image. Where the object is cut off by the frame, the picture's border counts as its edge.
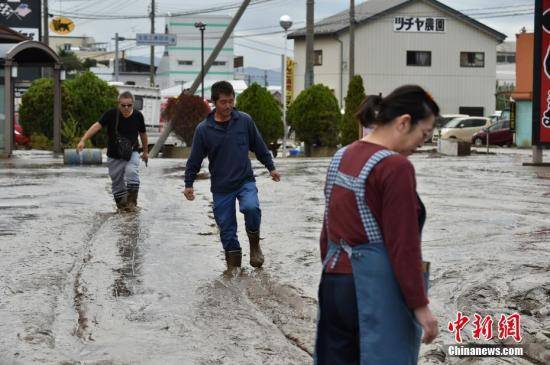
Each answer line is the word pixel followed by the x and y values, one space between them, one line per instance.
pixel 543 122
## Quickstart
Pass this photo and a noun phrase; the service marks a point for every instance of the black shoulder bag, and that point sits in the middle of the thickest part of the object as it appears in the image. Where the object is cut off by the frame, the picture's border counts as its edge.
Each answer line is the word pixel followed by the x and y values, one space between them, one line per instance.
pixel 124 146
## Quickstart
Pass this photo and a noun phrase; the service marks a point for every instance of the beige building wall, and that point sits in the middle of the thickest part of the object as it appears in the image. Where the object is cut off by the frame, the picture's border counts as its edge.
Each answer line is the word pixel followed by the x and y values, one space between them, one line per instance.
pixel 381 59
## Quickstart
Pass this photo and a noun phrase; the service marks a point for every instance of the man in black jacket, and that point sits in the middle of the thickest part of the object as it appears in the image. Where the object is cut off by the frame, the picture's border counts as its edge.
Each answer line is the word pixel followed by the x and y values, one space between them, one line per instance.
pixel 124 174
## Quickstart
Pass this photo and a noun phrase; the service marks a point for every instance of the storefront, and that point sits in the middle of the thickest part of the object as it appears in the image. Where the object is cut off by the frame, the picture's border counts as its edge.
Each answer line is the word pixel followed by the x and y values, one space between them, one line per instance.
pixel 16 58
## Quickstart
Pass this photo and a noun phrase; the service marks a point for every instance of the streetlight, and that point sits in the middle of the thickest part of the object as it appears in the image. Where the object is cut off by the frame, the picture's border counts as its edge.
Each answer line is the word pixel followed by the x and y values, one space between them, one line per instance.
pixel 201 26
pixel 286 23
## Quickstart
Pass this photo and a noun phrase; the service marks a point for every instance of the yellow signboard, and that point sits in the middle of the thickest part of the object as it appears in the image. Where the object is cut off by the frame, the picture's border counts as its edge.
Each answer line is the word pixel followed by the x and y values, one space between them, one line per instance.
pixel 61 25
pixel 289 80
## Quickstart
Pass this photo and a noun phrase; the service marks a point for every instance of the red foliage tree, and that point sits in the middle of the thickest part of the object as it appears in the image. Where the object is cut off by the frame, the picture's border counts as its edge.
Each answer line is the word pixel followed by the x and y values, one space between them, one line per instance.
pixel 185 112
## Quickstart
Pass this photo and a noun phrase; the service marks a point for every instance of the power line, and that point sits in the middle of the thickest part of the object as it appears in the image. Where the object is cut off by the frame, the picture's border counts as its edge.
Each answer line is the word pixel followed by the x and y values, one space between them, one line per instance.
pixel 257 49
pixel 147 16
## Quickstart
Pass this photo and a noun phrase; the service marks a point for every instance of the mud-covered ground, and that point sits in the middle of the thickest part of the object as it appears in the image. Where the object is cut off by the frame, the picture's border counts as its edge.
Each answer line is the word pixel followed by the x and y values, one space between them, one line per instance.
pixel 80 284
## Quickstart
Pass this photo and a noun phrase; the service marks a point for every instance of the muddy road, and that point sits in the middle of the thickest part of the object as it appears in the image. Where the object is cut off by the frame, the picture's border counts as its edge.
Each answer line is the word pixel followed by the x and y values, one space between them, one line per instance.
pixel 80 284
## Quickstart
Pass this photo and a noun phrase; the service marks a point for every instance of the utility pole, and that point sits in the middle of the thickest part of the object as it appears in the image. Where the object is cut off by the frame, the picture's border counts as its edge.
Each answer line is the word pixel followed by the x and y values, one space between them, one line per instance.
pixel 117 60
pixel 230 28
pixel 265 78
pixel 152 70
pixel 351 40
pixel 46 34
pixel 309 78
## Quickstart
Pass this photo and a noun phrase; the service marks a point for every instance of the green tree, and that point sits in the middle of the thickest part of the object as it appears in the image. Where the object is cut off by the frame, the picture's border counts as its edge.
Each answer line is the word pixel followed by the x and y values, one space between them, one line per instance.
pixel 186 112
pixel 70 61
pixel 350 125
pixel 89 62
pixel 36 111
pixel 90 98
pixel 83 100
pixel 258 102
pixel 315 117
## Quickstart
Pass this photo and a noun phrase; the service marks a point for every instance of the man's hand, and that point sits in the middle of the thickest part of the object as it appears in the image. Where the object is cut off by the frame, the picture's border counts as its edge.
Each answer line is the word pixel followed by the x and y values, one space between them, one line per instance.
pixel 189 193
pixel 275 176
pixel 428 322
pixel 145 157
pixel 80 146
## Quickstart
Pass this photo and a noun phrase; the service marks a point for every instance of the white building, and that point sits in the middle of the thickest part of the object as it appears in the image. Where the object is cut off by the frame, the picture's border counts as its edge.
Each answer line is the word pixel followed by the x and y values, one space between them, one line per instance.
pixel 182 63
pixel 506 63
pixel 407 41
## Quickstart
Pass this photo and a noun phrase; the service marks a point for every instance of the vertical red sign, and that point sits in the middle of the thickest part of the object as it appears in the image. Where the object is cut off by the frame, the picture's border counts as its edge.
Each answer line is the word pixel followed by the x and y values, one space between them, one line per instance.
pixel 541 107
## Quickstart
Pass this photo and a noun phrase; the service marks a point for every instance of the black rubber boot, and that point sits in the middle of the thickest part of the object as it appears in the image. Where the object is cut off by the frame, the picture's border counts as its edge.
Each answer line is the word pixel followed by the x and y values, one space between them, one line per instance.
pixel 233 259
pixel 121 203
pixel 256 255
pixel 132 199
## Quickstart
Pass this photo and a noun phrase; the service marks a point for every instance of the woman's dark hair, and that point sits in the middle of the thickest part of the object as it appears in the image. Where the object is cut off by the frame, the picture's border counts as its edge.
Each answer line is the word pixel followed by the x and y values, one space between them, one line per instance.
pixel 407 99
pixel 221 87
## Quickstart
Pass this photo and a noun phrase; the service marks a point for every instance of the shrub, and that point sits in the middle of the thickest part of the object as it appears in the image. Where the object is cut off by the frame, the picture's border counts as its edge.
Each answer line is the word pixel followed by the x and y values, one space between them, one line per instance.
pixel 185 112
pixel 350 125
pixel 315 117
pixel 258 102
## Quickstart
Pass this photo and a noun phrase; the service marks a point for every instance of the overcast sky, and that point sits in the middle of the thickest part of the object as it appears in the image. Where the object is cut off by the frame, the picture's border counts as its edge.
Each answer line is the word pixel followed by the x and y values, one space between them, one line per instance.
pixel 260 51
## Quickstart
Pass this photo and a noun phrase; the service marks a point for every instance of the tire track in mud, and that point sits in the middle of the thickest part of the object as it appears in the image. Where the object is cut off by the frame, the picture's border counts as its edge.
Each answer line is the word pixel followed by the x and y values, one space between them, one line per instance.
pixel 80 291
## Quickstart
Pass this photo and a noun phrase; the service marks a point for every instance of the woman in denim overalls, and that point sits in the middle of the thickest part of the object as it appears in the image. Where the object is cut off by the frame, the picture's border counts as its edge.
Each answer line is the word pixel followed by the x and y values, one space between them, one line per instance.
pixel 367 316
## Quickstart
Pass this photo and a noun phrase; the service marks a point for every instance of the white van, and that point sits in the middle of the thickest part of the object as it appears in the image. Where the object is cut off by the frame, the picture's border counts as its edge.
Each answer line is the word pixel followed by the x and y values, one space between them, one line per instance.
pixel 148 102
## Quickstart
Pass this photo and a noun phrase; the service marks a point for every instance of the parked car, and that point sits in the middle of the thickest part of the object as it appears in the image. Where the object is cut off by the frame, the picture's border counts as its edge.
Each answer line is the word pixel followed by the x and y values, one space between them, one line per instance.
pixel 464 128
pixel 505 115
pixel 440 121
pixel 499 134
pixel 20 137
pixel 496 116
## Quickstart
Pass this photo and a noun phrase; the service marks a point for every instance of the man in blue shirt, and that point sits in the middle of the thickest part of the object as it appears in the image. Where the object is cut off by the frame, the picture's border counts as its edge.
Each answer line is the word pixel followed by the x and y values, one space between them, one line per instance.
pixel 226 136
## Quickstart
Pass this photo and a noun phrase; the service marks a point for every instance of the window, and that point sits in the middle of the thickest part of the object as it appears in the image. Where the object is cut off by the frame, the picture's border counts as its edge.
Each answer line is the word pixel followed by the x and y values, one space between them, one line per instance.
pixel 472 59
pixel 138 102
pixel 474 111
pixel 318 57
pixel 219 63
pixel 506 58
pixel 185 63
pixel 67 47
pixel 478 122
pixel 419 58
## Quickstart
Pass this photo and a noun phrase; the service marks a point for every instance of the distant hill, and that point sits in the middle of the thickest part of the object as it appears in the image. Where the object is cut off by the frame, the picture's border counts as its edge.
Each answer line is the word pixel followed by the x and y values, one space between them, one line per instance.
pixel 258 75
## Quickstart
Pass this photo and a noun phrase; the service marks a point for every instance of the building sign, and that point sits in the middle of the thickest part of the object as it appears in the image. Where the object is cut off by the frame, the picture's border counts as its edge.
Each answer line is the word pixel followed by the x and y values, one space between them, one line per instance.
pixel 19 90
pixel 61 25
pixel 415 24
pixel 31 33
pixel 513 116
pixel 154 39
pixel 23 16
pixel 289 80
pixel 541 74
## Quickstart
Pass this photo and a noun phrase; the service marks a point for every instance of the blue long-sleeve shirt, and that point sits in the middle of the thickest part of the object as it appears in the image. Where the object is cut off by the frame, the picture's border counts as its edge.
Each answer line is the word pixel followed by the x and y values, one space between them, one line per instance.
pixel 227 150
